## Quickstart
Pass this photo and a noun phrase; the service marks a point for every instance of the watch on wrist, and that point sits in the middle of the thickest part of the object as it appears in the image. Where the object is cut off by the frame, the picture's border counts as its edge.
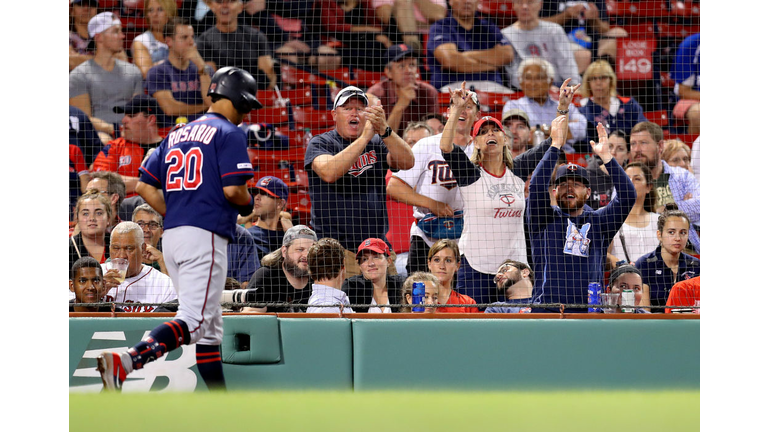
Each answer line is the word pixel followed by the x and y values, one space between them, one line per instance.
pixel 563 112
pixel 387 133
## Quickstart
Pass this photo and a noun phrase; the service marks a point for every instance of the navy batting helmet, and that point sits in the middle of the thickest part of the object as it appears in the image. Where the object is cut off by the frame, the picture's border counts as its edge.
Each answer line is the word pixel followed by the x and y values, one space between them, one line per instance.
pixel 236 85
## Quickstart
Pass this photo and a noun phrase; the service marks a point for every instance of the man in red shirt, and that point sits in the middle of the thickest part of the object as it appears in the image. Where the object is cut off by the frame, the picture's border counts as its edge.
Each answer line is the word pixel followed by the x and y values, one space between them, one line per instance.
pixel 139 134
pixel 403 95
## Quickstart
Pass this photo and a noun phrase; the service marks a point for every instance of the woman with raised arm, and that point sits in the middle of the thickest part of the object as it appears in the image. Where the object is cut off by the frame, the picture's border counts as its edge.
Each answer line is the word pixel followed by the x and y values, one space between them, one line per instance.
pixel 494 202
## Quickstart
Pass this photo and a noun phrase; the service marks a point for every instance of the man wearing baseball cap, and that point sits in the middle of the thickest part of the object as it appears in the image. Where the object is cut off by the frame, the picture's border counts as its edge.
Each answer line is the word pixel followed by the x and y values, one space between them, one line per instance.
pixel 139 134
pixel 270 220
pixel 347 168
pixel 373 288
pixel 569 241
pixel 98 85
pixel 403 95
pixel 518 127
pixel 284 274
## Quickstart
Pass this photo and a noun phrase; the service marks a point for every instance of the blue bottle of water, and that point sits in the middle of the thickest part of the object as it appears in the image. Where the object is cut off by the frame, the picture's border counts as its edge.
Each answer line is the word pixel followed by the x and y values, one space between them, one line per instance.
pixel 417 298
pixel 593 297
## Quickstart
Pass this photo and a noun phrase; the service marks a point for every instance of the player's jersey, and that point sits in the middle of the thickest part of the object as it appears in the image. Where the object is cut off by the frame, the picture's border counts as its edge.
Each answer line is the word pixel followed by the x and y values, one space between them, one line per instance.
pixel 432 177
pixel 192 166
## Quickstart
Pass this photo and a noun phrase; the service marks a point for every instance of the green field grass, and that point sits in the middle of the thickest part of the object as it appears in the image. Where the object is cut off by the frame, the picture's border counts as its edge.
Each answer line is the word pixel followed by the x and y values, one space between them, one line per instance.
pixel 587 411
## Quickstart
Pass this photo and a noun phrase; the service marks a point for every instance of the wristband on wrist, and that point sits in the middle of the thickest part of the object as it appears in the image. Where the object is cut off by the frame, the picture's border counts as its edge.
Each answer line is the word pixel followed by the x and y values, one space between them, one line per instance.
pixel 563 112
pixel 387 133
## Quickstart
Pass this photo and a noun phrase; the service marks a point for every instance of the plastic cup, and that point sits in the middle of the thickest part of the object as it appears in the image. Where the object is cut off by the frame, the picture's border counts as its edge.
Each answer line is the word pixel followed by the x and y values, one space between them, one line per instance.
pixel 119 264
pixel 610 299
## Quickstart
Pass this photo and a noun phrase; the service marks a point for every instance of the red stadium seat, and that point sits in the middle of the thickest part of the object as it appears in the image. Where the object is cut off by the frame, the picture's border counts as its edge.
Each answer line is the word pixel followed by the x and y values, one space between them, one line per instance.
pixel 685 8
pixel 658 117
pixel 500 11
pixel 496 101
pixel 686 138
pixel 645 9
pixel 298 97
pixel 677 31
pixel 306 117
pixel 365 78
pixel 274 116
pixel 299 205
pixel 297 77
pixel 274 157
pixel 577 158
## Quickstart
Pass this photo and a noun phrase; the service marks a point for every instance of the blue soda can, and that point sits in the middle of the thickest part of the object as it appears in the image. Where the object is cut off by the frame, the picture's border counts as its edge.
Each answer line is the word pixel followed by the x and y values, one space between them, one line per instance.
pixel 417 298
pixel 593 296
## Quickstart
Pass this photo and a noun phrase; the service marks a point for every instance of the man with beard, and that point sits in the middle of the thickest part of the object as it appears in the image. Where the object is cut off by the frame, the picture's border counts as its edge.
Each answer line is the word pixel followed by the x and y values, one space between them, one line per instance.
pixel 569 241
pixel 675 186
pixel 284 274
pixel 518 129
pixel 514 284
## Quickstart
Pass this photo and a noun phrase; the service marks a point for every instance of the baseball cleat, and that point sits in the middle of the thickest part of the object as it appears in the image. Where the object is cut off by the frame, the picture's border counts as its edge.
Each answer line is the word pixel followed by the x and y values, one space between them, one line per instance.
pixel 110 366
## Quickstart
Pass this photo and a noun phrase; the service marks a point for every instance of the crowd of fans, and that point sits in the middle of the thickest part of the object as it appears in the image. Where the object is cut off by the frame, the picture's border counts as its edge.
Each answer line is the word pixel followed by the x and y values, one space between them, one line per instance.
pixel 482 207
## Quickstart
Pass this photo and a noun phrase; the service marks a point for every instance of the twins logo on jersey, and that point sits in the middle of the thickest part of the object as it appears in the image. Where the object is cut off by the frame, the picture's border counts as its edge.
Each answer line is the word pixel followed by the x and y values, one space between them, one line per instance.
pixel 576 240
pixel 507 194
pixel 365 162
pixel 442 174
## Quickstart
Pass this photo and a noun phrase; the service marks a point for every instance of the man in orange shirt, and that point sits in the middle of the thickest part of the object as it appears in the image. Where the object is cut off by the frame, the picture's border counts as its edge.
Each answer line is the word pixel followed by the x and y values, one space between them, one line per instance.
pixel 139 134
pixel 684 293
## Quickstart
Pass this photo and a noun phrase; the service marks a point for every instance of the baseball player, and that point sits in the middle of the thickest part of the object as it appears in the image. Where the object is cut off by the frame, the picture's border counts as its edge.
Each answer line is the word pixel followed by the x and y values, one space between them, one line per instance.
pixel 196 180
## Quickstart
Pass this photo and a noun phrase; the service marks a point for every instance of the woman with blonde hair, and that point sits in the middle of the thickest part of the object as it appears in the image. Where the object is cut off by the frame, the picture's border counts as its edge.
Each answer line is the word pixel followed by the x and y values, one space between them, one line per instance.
pixel 149 47
pixel 604 105
pixel 93 212
pixel 677 153
pixel 494 201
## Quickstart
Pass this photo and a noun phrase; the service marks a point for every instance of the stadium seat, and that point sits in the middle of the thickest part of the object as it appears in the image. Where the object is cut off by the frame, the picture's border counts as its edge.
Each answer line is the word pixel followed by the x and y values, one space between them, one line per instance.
pixel 645 9
pixel 686 138
pixel 298 77
pixel 658 117
pixel 298 97
pixel 365 78
pixel 268 158
pixel 685 8
pixel 299 205
pixel 500 11
pixel 307 117
pixel 577 158
pixel 677 31
pixel 271 115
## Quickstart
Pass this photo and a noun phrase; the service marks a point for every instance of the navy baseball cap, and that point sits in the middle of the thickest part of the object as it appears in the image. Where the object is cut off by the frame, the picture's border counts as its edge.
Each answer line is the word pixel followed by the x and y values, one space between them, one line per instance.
pixel 273 186
pixel 400 51
pixel 139 103
pixel 572 171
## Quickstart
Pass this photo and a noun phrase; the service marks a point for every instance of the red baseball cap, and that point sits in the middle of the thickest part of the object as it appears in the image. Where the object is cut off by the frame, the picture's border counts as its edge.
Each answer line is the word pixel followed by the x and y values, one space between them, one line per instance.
pixel 373 244
pixel 482 121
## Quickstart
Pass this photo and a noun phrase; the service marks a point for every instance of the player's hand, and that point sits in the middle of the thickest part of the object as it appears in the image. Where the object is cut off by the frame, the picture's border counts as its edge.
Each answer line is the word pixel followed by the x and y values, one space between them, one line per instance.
pixel 559 131
pixel 440 209
pixel 590 12
pixel 566 94
pixel 602 149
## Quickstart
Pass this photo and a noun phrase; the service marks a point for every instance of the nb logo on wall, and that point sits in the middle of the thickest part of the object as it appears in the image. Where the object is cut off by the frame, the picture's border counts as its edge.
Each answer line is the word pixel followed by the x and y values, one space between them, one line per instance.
pixel 172 372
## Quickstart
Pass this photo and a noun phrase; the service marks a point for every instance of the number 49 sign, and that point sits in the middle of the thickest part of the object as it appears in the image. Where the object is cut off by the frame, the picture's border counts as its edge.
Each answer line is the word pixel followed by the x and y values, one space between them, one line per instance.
pixel 634 59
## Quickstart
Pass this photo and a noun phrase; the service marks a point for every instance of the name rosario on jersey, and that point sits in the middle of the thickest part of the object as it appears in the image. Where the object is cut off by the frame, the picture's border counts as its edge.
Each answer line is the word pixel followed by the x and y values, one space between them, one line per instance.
pixel 442 174
pixel 364 163
pixel 199 133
